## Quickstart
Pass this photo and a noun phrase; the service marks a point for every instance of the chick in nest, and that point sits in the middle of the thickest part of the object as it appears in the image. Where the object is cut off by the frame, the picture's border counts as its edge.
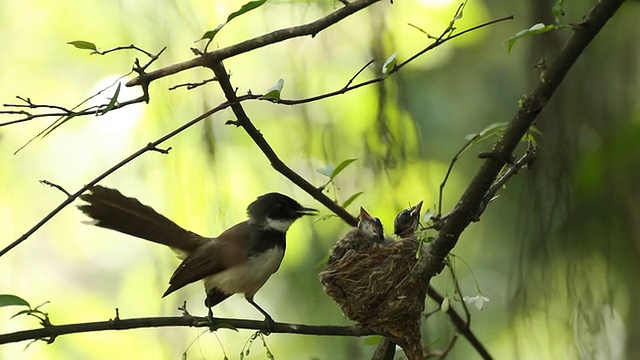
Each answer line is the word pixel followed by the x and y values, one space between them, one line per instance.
pixel 368 233
pixel 406 222
pixel 382 286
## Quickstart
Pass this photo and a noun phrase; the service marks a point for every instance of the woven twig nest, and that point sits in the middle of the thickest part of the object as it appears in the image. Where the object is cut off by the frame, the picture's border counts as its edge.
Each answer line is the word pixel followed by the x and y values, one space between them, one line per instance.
pixel 382 288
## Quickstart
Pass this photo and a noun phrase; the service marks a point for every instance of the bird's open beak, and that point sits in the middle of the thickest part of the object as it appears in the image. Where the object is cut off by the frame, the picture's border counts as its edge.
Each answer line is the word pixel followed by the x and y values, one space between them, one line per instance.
pixel 307 211
pixel 415 211
pixel 364 215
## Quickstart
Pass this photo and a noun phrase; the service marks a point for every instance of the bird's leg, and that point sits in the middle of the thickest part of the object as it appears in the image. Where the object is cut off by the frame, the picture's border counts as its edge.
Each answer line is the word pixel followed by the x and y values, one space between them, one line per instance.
pixel 267 318
pixel 214 297
pixel 212 324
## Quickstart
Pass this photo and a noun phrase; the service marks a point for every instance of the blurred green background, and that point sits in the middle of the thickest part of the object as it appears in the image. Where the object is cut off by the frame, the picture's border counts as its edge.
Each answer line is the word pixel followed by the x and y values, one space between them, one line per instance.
pixel 557 253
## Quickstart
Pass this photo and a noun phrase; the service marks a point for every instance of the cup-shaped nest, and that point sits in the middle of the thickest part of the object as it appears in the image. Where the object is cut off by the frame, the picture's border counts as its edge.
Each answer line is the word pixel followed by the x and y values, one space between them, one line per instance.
pixel 383 289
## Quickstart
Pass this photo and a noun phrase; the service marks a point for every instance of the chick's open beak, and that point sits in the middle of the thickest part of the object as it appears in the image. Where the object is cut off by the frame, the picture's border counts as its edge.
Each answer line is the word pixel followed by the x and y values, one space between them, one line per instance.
pixel 364 215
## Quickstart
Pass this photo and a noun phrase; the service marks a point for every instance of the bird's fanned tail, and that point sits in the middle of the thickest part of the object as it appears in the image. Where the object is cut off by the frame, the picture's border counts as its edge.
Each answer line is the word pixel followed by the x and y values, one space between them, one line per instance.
pixel 112 210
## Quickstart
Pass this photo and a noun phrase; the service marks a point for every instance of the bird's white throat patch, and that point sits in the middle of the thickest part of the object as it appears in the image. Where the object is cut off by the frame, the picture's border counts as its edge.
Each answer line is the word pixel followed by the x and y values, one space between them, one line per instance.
pixel 279 225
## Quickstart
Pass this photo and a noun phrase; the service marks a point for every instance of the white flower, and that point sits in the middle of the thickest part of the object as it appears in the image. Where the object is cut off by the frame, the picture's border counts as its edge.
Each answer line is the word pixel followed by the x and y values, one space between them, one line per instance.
pixel 479 300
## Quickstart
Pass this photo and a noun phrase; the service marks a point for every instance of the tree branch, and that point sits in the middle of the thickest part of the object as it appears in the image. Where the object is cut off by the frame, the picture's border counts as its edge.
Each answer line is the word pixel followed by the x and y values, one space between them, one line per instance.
pixel 50 332
pixel 467 207
pixel 267 150
pixel 210 57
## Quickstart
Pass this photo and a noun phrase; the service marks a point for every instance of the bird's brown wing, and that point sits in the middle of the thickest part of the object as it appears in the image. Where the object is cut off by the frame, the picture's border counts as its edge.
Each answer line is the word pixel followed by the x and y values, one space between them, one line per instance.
pixel 221 253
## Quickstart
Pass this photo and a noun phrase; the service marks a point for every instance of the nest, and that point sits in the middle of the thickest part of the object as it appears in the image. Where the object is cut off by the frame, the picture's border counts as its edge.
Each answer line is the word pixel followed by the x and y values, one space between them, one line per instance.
pixel 383 289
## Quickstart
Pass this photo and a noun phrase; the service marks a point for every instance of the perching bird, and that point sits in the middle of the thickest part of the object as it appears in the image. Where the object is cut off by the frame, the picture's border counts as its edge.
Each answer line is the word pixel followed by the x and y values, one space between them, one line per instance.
pixel 240 260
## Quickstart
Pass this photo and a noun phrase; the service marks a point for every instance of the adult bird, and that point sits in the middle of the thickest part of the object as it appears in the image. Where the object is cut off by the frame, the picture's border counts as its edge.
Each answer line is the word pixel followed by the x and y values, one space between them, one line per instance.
pixel 240 260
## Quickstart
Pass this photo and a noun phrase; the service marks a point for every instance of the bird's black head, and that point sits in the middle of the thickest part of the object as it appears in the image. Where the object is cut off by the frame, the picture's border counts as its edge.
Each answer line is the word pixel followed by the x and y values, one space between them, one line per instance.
pixel 407 220
pixel 371 226
pixel 276 211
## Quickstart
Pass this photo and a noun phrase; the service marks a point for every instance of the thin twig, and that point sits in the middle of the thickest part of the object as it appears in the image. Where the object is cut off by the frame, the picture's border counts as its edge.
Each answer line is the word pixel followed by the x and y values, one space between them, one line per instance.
pixel 345 89
pixel 53 185
pixel 527 159
pixel 152 146
pixel 358 73
pixel 446 176
pixel 191 86
pixel 127 47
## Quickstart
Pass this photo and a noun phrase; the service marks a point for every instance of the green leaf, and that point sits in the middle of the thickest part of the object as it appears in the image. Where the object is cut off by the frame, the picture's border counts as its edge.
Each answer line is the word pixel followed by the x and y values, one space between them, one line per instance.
pixel 84 45
pixel 460 11
pixel 57 124
pixel 351 199
pixel 493 129
pixel 113 101
pixel 274 92
pixel 457 16
pixel 536 29
pixel 12 300
pixel 389 64
pixel 322 263
pixel 326 170
pixel 535 130
pixel 558 10
pixel 27 311
pixel 341 167
pixel 211 33
pixel 246 8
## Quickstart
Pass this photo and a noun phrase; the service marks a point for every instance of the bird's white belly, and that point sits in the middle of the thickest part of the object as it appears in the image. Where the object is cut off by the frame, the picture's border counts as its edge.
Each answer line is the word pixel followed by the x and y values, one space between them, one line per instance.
pixel 248 277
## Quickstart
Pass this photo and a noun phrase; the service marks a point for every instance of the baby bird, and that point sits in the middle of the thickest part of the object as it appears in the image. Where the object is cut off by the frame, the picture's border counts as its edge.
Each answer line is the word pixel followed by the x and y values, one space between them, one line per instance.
pixel 407 220
pixel 368 233
pixel 377 281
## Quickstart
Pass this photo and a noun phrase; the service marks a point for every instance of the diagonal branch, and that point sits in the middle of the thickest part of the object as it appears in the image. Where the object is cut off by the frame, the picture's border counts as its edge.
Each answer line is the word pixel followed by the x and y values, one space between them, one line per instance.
pixel 467 207
pixel 267 150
